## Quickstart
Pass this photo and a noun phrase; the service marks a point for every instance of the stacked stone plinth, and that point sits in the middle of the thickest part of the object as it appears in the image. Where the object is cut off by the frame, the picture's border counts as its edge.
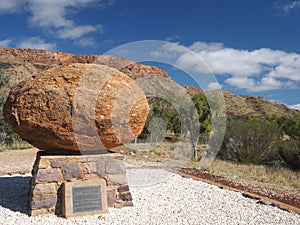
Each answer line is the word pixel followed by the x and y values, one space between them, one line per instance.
pixel 51 171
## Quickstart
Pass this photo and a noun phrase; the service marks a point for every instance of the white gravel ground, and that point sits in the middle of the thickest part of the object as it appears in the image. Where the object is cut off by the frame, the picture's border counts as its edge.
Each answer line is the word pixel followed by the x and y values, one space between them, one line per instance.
pixel 174 200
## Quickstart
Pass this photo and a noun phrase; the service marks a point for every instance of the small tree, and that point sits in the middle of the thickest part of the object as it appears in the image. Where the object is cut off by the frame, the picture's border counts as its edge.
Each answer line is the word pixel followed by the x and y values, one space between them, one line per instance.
pixel 184 119
pixel 204 114
pixel 160 108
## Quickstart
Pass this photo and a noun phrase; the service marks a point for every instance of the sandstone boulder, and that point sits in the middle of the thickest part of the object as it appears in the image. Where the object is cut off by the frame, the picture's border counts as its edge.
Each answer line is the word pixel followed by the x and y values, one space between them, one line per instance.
pixel 78 107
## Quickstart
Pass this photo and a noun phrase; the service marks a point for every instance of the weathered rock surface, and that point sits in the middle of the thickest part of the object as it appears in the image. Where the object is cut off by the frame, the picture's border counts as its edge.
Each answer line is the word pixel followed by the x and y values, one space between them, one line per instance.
pixel 59 108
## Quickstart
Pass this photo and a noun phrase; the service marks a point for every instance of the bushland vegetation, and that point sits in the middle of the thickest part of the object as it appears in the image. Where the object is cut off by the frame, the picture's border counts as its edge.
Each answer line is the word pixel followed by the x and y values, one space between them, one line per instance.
pixel 271 141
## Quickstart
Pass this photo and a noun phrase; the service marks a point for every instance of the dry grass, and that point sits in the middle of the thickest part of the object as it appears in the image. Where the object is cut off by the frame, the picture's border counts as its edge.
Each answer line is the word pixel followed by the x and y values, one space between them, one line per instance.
pixel 17 144
pixel 277 176
pixel 158 152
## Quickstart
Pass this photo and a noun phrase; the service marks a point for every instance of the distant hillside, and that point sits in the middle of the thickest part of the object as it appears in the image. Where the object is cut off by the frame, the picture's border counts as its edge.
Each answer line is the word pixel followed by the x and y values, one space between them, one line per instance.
pixel 256 107
pixel 20 63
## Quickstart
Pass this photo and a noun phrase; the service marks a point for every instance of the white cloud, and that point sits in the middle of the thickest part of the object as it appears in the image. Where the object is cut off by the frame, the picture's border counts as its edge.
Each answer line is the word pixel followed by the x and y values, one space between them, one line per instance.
pixel 297 106
pixel 234 61
pixel 85 42
pixel 175 37
pixel 110 2
pixel 10 6
pixel 213 86
pixel 36 43
pixel 55 15
pixel 256 70
pixel 291 6
pixel 5 43
pixel 169 50
pixel 203 46
pixel 78 31
pixel 250 84
pixel 49 13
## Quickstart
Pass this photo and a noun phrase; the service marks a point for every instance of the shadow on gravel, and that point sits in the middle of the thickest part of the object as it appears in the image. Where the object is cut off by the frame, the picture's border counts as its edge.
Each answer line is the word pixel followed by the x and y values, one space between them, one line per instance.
pixel 14 193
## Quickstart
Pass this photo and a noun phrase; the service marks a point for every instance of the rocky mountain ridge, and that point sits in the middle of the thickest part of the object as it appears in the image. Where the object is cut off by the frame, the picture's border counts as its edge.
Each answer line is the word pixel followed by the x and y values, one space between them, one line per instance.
pixel 19 63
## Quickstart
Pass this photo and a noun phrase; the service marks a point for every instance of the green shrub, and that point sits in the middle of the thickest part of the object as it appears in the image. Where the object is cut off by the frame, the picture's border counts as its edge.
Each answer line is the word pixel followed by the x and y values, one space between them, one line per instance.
pixel 250 141
pixel 288 125
pixel 290 153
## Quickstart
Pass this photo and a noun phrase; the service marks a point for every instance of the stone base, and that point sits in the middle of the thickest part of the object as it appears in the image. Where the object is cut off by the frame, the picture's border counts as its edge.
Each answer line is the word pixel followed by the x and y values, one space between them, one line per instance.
pixel 50 172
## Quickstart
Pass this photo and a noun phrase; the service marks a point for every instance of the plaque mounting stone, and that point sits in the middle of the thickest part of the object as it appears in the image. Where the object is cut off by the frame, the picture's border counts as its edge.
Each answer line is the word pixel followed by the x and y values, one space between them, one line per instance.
pixel 84 198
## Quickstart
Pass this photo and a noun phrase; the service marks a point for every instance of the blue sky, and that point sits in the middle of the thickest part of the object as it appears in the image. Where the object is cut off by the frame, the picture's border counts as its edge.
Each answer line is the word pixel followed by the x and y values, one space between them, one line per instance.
pixel 253 47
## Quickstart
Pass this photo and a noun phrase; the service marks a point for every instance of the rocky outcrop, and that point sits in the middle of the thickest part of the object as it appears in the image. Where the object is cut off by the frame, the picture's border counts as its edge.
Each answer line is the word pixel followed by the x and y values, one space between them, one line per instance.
pixel 60 108
pixel 193 90
pixel 137 71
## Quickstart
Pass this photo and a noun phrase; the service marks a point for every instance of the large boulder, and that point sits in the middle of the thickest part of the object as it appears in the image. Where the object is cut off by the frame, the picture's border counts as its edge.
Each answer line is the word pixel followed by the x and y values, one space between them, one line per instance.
pixel 77 107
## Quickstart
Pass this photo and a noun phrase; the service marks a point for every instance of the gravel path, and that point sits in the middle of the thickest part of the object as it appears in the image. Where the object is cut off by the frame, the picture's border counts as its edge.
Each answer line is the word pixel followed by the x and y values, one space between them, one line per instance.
pixel 173 200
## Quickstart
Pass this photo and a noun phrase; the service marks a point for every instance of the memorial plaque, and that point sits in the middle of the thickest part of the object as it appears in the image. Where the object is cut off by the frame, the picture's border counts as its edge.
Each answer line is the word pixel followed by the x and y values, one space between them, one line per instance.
pixel 84 198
